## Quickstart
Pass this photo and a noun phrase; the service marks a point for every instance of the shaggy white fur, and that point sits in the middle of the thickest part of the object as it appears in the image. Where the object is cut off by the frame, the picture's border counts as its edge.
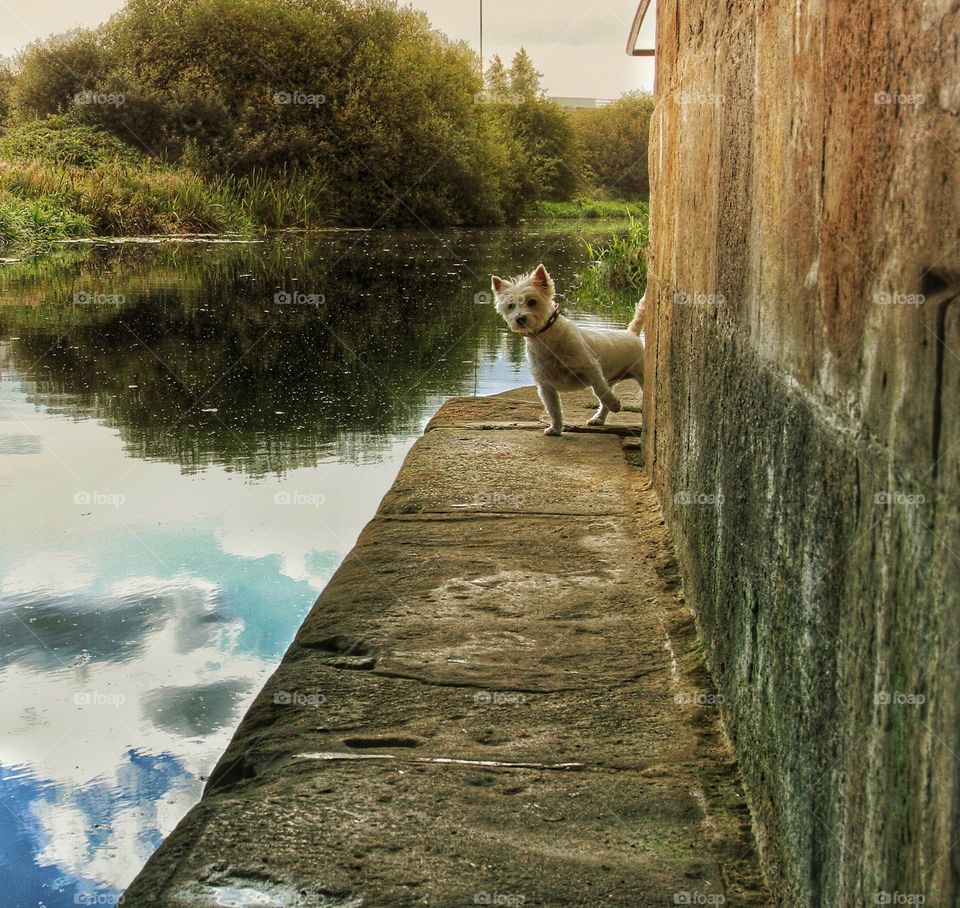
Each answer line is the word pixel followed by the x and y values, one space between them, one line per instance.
pixel 564 356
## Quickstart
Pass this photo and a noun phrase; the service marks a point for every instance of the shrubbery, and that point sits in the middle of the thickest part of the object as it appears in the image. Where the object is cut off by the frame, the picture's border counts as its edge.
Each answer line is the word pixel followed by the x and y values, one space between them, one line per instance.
pixel 6 91
pixel 58 180
pixel 366 94
pixel 620 266
pixel 614 140
pixel 215 114
pixel 546 158
pixel 58 140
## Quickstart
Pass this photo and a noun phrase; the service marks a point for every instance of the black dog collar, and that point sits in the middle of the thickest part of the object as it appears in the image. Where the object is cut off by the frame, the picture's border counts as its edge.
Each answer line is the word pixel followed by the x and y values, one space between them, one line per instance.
pixel 550 322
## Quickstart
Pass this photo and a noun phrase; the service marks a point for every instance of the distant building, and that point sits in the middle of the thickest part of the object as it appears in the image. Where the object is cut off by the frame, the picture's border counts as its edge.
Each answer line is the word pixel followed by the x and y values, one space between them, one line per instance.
pixel 587 103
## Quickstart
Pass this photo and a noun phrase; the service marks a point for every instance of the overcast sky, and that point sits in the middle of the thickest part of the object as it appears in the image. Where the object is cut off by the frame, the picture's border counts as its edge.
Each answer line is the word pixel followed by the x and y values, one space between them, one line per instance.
pixel 579 46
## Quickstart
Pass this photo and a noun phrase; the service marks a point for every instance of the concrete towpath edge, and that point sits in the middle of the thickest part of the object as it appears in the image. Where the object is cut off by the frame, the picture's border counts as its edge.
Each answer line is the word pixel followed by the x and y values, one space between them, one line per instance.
pixel 499 698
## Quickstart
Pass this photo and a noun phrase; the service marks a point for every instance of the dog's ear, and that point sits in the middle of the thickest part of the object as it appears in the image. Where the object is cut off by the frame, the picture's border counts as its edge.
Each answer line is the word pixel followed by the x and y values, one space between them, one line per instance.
pixel 498 283
pixel 541 277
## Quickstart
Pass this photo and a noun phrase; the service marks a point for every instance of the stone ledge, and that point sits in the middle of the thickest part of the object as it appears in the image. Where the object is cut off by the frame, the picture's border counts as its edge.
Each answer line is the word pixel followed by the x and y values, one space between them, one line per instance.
pixel 505 704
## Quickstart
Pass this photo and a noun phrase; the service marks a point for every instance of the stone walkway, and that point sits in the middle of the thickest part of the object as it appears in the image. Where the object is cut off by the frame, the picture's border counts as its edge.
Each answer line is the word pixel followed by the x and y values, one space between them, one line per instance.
pixel 498 700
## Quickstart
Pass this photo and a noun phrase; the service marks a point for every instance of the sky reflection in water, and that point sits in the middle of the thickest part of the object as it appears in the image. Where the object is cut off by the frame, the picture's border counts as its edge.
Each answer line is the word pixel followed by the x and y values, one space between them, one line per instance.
pixel 183 464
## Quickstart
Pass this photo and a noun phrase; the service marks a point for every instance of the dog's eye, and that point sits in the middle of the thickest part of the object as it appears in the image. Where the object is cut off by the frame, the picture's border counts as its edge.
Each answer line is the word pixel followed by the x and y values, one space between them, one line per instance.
pixel 511 307
pixel 532 301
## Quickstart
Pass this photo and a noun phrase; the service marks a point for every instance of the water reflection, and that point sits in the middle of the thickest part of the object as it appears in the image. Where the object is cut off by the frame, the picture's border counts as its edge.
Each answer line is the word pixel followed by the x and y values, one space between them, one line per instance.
pixel 264 356
pixel 185 457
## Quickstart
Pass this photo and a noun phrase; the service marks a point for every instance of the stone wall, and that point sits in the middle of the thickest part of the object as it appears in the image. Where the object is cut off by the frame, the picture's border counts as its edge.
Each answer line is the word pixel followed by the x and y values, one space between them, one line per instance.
pixel 803 418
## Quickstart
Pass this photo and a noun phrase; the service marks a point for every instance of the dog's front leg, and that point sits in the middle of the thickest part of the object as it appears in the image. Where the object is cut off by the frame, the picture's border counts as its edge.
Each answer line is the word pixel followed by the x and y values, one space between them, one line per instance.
pixel 600 417
pixel 608 400
pixel 551 400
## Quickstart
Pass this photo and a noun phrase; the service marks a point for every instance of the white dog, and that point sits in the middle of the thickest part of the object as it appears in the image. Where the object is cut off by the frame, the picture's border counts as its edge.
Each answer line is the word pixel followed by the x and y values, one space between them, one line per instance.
pixel 564 356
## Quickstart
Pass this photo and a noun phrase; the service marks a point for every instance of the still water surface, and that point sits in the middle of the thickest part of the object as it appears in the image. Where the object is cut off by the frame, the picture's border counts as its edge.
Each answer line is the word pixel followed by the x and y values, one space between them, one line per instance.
pixel 191 438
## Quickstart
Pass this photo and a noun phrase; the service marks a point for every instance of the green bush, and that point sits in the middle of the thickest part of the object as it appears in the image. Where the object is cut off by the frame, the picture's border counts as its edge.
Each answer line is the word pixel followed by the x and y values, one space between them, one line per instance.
pixel 59 140
pixel 6 92
pixel 31 224
pixel 121 200
pixel 364 98
pixel 620 267
pixel 613 141
pixel 545 157
pixel 93 183
pixel 52 73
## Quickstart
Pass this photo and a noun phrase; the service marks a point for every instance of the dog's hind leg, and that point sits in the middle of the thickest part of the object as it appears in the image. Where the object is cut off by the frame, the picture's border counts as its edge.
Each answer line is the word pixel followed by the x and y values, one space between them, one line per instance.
pixel 551 400
pixel 637 375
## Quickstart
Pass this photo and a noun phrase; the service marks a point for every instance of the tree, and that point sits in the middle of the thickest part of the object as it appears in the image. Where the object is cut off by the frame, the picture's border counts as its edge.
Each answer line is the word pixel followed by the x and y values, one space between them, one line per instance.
pixel 52 73
pixel 7 79
pixel 613 141
pixel 497 80
pixel 525 79
pixel 547 164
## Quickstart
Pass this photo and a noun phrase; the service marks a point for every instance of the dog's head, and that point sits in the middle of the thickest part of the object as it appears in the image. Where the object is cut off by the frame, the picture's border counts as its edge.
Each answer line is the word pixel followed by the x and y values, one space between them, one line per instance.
pixel 526 302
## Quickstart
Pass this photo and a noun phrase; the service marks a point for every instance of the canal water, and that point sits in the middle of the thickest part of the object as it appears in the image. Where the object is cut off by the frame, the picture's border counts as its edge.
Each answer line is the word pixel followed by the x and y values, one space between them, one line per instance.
pixel 192 435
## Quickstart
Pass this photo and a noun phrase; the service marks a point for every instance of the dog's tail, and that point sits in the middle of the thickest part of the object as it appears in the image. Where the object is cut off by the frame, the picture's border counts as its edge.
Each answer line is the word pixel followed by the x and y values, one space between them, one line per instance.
pixel 636 326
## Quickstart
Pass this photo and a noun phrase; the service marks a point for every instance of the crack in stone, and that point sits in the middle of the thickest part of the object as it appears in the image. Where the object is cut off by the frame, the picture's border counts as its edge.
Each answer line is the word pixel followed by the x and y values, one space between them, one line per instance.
pixel 333 756
pixel 470 685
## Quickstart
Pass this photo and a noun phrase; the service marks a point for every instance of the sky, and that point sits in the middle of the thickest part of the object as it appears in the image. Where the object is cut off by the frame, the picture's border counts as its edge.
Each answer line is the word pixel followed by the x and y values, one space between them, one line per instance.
pixel 579 46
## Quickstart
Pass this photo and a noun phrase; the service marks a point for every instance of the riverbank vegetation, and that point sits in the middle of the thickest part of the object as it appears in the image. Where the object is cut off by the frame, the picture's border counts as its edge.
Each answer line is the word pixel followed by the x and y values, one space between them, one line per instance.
pixel 586 208
pixel 182 116
pixel 614 140
pixel 618 268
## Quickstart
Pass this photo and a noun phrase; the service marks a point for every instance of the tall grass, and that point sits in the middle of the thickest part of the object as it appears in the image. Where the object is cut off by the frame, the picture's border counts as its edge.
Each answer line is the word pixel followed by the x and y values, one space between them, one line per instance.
pixel 619 268
pixel 28 224
pixel 286 200
pixel 118 199
pixel 60 180
pixel 590 209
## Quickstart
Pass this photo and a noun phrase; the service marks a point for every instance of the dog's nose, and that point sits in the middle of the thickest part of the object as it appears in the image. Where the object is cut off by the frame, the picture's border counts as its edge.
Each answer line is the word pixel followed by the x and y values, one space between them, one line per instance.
pixel 521 320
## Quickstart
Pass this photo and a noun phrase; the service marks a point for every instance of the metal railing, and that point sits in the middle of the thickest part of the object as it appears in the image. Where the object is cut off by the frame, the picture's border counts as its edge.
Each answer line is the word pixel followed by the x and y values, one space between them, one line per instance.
pixel 632 49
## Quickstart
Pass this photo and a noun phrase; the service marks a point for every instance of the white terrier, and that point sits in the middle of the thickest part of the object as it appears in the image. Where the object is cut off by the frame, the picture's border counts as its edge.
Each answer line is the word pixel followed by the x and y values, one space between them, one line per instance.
pixel 564 356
